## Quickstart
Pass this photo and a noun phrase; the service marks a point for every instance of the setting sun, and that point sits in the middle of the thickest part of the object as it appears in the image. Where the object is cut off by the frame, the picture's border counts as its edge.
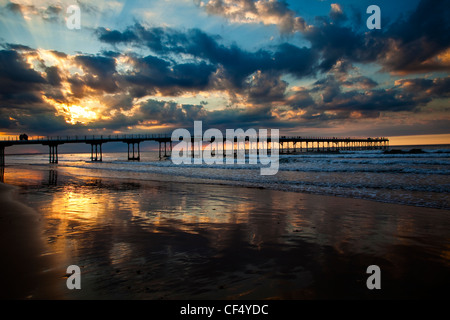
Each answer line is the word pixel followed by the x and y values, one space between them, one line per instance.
pixel 74 113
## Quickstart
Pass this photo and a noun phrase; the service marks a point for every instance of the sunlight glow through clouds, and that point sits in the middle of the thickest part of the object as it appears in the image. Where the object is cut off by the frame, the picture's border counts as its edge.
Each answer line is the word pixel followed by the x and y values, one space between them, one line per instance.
pixel 158 63
pixel 74 114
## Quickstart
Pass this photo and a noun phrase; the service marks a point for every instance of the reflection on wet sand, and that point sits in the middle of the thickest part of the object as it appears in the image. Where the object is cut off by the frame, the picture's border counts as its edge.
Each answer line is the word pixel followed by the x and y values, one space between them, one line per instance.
pixel 164 240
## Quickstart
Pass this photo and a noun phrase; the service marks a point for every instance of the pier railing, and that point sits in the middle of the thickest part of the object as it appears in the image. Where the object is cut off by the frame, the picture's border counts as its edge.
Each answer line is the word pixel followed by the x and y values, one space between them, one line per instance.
pixel 81 138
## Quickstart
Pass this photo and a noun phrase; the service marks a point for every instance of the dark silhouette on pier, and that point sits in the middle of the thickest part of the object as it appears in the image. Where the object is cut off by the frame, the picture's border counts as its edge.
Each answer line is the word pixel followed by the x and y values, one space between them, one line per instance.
pixel 286 144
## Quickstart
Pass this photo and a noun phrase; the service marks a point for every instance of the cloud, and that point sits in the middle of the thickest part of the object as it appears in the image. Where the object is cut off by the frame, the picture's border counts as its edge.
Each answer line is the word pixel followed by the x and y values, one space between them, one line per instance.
pixel 115 36
pixel 19 83
pixel 419 43
pixel 14 7
pixel 267 12
pixel 300 98
pixel 336 12
pixel 265 87
pixel 128 86
pixel 408 95
pixel 47 12
pixel 426 89
pixel 122 87
pixel 100 72
pixel 159 75
pixel 229 62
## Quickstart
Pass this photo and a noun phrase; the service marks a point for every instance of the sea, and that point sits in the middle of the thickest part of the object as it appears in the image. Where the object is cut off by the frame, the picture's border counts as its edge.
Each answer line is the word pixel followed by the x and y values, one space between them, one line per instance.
pixel 419 178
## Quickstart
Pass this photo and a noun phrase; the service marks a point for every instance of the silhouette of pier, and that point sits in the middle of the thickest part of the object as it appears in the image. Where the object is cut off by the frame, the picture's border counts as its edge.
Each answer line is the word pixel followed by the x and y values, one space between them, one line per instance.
pixel 286 145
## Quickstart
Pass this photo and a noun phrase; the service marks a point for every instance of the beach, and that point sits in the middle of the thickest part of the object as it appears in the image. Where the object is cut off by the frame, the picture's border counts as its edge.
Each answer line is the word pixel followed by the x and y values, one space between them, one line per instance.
pixel 25 271
pixel 251 150
pixel 137 236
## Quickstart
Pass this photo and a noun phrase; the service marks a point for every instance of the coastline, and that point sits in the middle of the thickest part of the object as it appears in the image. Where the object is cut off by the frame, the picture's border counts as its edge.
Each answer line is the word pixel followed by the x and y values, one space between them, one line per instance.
pixel 137 239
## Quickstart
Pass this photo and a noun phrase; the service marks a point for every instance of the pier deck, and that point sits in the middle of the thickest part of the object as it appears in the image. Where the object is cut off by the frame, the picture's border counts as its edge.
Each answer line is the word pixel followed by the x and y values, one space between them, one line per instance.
pixel 292 144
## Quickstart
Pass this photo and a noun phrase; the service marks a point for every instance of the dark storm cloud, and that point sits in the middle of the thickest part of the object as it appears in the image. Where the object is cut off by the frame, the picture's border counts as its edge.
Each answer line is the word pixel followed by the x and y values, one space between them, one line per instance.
pixel 156 112
pixel 161 40
pixel 156 74
pixel 171 112
pixel 52 13
pixel 236 63
pixel 239 64
pixel 34 118
pixel 195 43
pixel 297 61
pixel 254 117
pixel 266 87
pixel 406 45
pixel 426 89
pixel 14 7
pixel 53 77
pixel 334 98
pixel 19 77
pixel 335 103
pixel 16 47
pixel 411 44
pixel 192 75
pixel 21 104
pixel 41 122
pixel 336 42
pixel 18 82
pixel 97 65
pixel 360 81
pixel 189 61
pixel 419 38
pixel 301 100
pixel 114 36
pixel 100 72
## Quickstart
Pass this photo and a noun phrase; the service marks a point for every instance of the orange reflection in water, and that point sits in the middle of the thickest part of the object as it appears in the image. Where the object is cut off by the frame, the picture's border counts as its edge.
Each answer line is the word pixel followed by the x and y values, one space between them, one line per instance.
pixel 172 238
pixel 24 177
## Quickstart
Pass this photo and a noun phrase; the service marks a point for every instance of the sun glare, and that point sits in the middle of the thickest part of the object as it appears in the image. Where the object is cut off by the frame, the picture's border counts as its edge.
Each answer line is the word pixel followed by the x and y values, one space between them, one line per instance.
pixel 79 114
pixel 74 113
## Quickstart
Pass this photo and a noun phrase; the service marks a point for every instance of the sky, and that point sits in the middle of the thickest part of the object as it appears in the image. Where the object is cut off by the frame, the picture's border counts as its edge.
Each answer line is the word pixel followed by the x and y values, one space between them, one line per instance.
pixel 308 68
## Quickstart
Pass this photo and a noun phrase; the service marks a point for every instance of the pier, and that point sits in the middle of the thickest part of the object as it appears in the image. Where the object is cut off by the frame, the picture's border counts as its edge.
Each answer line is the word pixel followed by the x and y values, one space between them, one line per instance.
pixel 286 145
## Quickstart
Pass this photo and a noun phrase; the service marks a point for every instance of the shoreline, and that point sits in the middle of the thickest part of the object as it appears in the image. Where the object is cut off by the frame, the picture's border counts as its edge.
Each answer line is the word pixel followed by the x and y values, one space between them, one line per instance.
pixel 24 268
pixel 161 177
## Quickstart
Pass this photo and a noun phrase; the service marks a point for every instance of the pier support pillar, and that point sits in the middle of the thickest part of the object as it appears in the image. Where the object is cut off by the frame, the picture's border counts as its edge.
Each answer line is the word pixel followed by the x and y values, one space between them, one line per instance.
pixel 2 156
pixel 134 154
pixel 53 153
pixel 96 152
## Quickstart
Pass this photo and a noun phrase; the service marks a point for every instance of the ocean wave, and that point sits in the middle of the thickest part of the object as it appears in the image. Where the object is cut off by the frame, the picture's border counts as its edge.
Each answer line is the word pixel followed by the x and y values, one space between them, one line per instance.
pixel 419 179
pixel 428 195
pixel 304 167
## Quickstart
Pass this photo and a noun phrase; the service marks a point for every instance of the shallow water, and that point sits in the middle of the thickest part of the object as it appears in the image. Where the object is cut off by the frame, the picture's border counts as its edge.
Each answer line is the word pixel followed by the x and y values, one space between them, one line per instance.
pixel 414 179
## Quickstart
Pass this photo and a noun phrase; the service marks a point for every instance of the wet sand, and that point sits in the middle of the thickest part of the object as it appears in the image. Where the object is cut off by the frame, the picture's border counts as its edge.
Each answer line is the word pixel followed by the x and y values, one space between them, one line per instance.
pixel 25 273
pixel 137 239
